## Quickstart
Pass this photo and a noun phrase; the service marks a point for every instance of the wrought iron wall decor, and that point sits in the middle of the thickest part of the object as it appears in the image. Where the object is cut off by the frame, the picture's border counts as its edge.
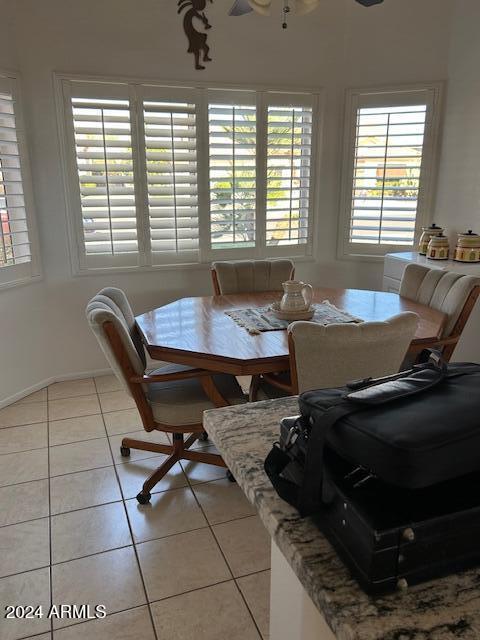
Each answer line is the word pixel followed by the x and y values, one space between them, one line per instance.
pixel 197 40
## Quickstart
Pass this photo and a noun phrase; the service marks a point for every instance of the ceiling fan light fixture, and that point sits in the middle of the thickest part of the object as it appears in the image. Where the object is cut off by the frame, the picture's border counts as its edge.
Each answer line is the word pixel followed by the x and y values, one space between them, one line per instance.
pixel 305 6
pixel 261 6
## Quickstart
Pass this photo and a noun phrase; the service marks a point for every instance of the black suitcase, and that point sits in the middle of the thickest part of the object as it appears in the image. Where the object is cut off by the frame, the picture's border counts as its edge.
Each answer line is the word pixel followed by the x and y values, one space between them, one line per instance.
pixel 390 537
pixel 390 472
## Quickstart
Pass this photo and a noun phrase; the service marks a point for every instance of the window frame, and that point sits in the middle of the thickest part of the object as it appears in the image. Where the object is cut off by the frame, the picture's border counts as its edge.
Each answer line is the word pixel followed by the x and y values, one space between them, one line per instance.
pixel 144 89
pixel 27 272
pixel 430 94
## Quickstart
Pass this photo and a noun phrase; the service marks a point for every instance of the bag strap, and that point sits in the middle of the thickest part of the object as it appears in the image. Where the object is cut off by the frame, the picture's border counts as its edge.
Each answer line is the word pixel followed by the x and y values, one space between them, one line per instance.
pixel 311 493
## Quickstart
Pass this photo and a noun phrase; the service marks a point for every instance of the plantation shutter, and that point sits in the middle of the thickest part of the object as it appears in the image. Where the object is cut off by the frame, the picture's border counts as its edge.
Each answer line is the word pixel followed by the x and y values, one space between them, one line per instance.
pixel 14 240
pixel 392 156
pixel 104 159
pixel 288 180
pixel 232 135
pixel 170 134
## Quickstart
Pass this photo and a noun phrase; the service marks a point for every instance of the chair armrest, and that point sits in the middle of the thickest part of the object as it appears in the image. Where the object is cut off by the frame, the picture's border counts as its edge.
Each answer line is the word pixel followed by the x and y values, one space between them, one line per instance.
pixel 166 377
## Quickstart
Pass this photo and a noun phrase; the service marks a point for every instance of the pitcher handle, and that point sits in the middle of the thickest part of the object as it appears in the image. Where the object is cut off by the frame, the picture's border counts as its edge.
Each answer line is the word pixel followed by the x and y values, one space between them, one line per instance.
pixel 307 293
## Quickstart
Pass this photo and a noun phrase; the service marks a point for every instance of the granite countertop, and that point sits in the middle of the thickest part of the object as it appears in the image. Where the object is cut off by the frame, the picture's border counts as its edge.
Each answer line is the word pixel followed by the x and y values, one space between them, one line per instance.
pixel 444 609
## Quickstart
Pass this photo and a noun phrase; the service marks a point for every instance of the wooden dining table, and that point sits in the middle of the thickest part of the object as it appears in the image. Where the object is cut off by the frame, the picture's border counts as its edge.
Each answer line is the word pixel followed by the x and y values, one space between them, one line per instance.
pixel 197 332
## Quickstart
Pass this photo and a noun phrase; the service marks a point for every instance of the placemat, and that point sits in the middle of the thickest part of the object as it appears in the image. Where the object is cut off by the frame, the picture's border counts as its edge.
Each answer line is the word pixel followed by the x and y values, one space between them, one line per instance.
pixel 260 319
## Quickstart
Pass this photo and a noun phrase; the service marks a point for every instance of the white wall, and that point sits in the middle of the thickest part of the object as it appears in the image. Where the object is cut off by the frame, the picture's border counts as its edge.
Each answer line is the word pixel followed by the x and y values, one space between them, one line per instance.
pixel 458 197
pixel 341 44
pixel 458 200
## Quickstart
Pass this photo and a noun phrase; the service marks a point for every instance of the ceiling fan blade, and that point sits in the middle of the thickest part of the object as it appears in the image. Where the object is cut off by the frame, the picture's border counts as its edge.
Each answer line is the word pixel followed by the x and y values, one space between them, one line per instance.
pixel 240 8
pixel 305 6
pixel 261 6
pixel 369 3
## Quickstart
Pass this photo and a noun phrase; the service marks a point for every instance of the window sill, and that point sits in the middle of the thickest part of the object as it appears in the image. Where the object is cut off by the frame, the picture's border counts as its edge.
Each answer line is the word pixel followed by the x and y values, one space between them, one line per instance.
pixel 199 266
pixel 20 282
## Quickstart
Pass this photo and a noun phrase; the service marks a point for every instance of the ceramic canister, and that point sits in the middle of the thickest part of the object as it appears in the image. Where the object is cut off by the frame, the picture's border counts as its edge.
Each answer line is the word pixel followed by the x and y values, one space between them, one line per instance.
pixel 468 247
pixel 438 248
pixel 427 234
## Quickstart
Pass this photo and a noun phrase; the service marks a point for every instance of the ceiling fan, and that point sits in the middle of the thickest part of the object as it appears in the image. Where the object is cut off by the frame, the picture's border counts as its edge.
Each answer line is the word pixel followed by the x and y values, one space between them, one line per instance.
pixel 242 7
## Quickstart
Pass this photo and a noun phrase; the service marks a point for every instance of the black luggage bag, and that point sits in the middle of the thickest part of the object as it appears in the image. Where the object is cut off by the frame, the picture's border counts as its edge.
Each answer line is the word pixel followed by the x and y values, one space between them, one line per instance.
pixel 390 471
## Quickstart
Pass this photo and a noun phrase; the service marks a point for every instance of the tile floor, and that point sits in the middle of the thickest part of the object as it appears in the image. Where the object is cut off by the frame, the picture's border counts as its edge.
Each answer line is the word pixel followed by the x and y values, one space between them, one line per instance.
pixel 192 565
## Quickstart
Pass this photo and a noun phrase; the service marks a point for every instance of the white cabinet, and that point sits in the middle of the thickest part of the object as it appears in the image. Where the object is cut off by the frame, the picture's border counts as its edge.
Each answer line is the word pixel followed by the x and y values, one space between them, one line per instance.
pixel 468 349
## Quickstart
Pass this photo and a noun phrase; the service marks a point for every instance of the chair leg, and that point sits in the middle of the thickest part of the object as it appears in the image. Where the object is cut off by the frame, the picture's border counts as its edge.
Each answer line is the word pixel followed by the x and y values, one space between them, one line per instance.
pixel 179 450
pixel 144 496
pixel 254 387
pixel 128 443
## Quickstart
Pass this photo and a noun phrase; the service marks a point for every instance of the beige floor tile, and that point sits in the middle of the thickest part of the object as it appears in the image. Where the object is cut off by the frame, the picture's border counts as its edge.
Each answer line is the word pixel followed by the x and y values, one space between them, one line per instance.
pixel 223 500
pixel 132 475
pixel 88 531
pixel 24 547
pixel 76 429
pixel 214 613
pixel 168 513
pixel 73 407
pixel 245 544
pixel 256 591
pixel 198 472
pixel 124 421
pixel 115 401
pixel 110 578
pixel 23 502
pixel 104 384
pixel 83 489
pixel 79 456
pixel 32 588
pixel 16 415
pixel 16 439
pixel 136 454
pixel 134 624
pixel 181 563
pixel 71 389
pixel 37 396
pixel 23 467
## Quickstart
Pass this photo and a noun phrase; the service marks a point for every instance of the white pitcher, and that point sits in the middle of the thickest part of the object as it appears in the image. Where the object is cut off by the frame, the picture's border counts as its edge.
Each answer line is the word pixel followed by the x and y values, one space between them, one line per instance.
pixel 297 297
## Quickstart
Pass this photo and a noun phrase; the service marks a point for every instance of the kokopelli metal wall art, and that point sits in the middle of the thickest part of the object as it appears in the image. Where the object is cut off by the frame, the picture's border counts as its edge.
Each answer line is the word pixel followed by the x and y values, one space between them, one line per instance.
pixel 197 40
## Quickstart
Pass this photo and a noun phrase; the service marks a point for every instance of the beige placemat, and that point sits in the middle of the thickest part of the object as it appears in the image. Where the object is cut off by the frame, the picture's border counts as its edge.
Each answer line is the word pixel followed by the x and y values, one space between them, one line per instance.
pixel 260 319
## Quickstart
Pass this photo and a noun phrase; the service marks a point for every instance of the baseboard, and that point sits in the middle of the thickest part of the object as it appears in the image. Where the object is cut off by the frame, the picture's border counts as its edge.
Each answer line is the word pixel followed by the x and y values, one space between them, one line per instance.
pixel 47 381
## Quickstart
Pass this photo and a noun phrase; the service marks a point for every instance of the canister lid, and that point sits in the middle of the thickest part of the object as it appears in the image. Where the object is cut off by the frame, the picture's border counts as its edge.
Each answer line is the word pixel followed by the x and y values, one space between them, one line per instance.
pixel 468 234
pixel 432 227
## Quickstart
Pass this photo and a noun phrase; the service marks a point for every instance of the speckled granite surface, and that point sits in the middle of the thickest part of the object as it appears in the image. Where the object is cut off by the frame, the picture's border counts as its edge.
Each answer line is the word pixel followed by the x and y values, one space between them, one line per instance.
pixel 444 609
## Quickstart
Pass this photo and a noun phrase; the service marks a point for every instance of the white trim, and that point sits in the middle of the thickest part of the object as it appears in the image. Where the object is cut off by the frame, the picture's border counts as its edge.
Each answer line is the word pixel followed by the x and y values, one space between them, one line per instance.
pixel 22 273
pixel 432 94
pixel 38 386
pixel 142 87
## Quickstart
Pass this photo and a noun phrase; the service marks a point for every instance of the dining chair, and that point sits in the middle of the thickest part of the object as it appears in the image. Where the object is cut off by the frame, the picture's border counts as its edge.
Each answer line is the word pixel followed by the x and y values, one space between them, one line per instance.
pixel 247 276
pixel 171 399
pixel 452 293
pixel 332 355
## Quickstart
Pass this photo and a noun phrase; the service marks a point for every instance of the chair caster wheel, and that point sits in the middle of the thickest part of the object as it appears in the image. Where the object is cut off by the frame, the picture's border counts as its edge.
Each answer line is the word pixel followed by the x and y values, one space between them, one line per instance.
pixel 144 498
pixel 203 437
pixel 125 452
pixel 230 476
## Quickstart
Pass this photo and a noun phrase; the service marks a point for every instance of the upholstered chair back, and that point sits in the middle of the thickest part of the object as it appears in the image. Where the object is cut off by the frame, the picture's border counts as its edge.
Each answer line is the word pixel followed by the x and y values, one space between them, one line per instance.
pixel 332 355
pixel 442 290
pixel 245 276
pixel 111 305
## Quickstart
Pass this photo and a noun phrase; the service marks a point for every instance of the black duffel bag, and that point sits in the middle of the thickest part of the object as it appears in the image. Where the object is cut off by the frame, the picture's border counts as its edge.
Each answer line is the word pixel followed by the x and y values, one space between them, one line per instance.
pixel 411 430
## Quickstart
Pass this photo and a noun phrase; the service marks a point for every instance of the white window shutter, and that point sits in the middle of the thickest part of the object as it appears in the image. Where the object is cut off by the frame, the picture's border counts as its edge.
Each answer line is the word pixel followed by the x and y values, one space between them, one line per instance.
pixel 388 169
pixel 170 135
pixel 289 150
pixel 15 245
pixel 104 159
pixel 18 246
pixel 232 130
